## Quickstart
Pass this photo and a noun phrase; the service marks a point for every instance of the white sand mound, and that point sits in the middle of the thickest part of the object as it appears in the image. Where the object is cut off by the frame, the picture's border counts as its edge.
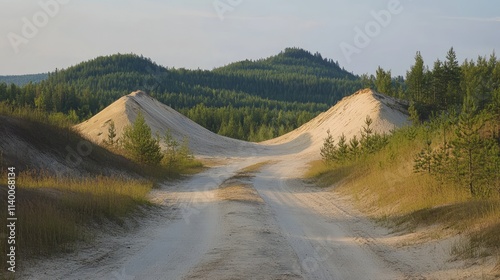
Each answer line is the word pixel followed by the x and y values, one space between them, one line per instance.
pixel 161 118
pixel 346 117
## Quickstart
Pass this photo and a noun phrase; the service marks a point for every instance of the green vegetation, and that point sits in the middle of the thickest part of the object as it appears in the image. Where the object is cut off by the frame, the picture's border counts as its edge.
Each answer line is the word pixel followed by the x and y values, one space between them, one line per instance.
pixel 140 144
pixel 250 100
pixel 177 155
pixel 59 207
pixel 471 158
pixel 354 149
pixel 445 86
pixel 443 169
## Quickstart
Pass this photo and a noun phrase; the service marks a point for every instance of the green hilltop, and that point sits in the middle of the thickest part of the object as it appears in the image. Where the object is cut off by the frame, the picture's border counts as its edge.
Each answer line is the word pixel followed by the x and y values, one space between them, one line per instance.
pixel 249 100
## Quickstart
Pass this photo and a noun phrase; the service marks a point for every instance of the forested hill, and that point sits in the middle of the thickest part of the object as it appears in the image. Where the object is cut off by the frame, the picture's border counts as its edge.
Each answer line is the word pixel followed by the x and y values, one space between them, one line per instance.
pixel 293 62
pixel 293 75
pixel 251 100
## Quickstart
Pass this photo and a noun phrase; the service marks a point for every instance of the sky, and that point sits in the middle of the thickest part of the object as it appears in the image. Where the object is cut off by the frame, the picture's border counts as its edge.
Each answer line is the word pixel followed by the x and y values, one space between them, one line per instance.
pixel 40 36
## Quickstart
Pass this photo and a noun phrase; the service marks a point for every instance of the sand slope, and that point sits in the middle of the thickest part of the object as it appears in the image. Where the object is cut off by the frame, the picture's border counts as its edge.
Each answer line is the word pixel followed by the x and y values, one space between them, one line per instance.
pixel 161 118
pixel 346 117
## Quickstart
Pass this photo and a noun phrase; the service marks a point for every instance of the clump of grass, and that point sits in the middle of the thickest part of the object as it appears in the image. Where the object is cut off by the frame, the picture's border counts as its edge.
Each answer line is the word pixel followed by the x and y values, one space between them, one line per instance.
pixel 255 167
pixel 53 213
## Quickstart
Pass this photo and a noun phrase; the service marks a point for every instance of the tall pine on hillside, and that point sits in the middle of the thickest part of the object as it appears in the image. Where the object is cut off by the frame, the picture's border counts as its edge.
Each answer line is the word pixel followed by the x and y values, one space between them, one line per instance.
pixel 415 79
pixel 452 76
pixel 469 147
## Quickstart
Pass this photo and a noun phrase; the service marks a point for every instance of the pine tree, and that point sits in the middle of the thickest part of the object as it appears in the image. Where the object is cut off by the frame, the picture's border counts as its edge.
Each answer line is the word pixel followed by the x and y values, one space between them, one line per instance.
pixel 423 160
pixel 140 143
pixel 354 147
pixel 468 144
pixel 383 82
pixel 443 163
pixel 415 79
pixel 438 84
pixel 185 154
pixel 342 149
pixel 329 149
pixel 452 76
pixel 367 136
pixel 414 117
pixel 111 141
pixel 171 151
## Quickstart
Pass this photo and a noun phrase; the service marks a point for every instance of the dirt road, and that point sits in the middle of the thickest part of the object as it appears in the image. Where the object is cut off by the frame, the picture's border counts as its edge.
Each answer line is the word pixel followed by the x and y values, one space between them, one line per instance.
pixel 226 223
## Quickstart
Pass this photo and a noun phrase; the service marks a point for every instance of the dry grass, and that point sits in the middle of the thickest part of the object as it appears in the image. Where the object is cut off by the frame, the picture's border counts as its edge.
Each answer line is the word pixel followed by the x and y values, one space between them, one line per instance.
pixel 385 187
pixel 239 189
pixel 53 212
pixel 255 167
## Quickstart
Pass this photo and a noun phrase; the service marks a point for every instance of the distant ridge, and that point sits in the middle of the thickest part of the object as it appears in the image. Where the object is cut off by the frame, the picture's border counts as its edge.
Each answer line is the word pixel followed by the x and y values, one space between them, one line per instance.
pixel 21 80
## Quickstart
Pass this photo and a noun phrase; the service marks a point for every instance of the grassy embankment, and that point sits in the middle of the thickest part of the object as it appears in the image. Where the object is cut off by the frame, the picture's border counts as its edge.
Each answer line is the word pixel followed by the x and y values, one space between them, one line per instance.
pixel 56 210
pixel 385 187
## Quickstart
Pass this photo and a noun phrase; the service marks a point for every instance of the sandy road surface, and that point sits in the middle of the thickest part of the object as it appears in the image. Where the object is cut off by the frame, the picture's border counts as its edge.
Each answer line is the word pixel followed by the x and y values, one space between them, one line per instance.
pixel 222 224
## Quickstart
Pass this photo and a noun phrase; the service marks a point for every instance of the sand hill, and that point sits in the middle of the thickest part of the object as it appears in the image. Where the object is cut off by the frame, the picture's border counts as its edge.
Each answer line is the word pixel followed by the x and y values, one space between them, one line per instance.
pixel 161 118
pixel 346 117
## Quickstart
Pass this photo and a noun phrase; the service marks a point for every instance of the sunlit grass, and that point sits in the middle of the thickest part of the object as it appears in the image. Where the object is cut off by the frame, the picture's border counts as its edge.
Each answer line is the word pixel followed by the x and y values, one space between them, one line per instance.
pixel 54 212
pixel 385 187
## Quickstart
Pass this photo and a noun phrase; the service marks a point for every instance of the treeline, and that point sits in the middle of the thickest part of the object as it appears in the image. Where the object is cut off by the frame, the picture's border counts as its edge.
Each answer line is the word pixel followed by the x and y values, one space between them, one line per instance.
pixel 294 82
pixel 251 123
pixel 445 85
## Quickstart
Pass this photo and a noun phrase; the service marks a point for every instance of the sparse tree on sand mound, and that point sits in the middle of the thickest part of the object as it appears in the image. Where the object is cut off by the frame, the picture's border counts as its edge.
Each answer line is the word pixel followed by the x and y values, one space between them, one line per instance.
pixel 111 141
pixel 329 149
pixel 140 143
